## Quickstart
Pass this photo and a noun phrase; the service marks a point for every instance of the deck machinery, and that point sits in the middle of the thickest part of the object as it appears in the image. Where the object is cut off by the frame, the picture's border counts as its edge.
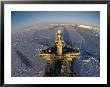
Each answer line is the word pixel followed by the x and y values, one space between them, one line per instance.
pixel 59 58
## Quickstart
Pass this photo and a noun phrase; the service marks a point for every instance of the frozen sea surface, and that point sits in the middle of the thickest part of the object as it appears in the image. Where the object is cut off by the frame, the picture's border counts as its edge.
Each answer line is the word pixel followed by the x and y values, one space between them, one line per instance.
pixel 27 42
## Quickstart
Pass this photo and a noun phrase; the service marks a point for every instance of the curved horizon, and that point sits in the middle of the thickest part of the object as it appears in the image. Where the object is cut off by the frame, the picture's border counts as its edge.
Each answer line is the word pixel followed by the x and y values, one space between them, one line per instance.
pixel 28 18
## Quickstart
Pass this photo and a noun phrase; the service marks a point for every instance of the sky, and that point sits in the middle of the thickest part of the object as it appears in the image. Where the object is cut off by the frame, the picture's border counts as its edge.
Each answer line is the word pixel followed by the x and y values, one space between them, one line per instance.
pixel 27 18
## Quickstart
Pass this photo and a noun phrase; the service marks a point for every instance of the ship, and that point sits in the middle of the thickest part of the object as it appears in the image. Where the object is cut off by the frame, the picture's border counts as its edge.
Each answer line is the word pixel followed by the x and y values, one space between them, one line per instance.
pixel 59 58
